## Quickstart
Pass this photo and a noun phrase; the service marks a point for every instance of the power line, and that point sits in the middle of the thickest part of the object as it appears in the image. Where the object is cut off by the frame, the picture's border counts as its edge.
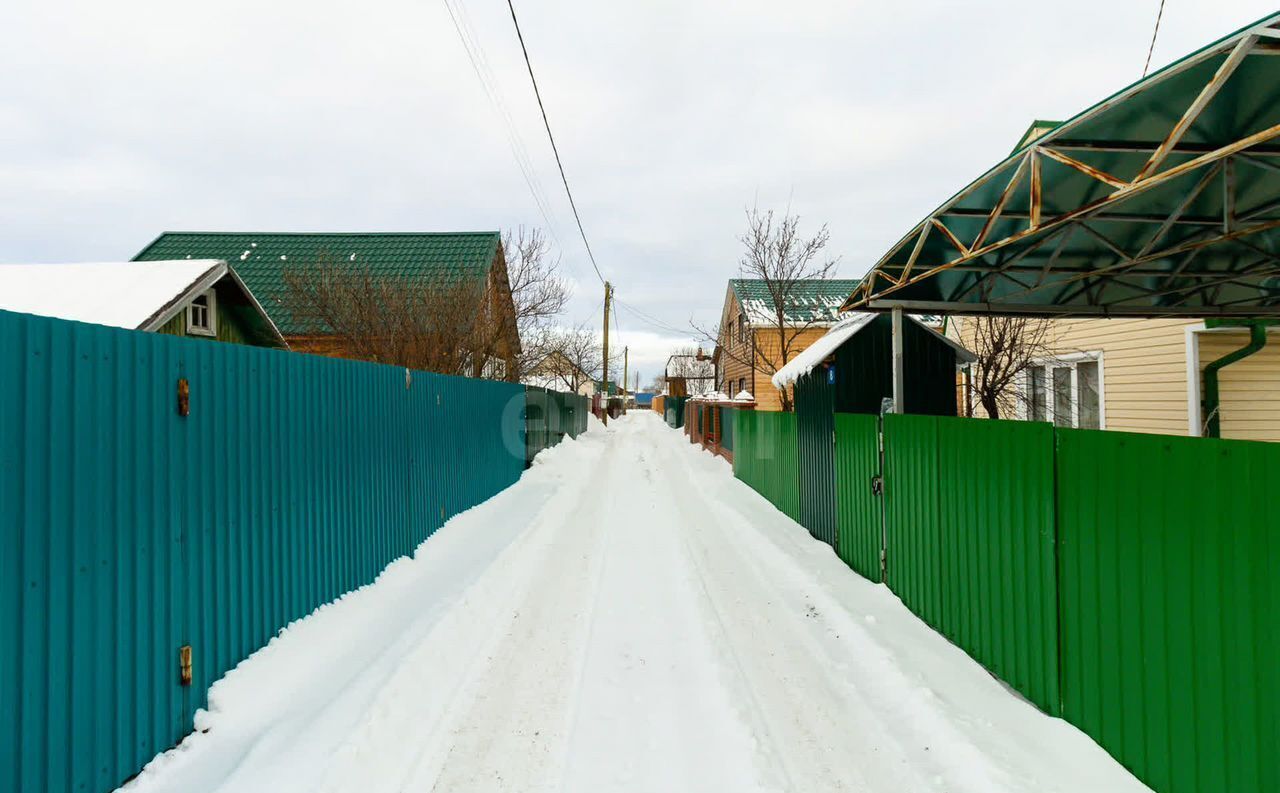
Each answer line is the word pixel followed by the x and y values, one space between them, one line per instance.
pixel 651 320
pixel 479 64
pixel 1154 33
pixel 551 137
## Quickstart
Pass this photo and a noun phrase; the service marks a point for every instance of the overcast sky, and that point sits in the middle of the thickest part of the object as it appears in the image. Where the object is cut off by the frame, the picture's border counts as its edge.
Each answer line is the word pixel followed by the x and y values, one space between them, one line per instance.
pixel 124 119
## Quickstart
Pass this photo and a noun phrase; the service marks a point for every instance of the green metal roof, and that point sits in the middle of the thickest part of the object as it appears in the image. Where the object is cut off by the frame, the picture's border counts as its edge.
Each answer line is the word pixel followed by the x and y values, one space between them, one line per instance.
pixel 261 259
pixel 814 300
pixel 1161 200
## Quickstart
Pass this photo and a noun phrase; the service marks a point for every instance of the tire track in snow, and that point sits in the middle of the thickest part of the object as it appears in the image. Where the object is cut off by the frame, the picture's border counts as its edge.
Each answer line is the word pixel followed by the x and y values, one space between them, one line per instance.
pixel 653 713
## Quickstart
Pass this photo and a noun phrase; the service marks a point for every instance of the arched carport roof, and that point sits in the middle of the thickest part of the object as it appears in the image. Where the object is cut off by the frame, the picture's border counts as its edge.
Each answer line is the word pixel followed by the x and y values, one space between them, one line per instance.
pixel 1161 200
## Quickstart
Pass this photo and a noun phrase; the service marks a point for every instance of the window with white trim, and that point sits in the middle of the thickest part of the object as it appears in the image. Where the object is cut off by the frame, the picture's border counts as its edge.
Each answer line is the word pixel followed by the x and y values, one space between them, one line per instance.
pixel 1065 391
pixel 202 317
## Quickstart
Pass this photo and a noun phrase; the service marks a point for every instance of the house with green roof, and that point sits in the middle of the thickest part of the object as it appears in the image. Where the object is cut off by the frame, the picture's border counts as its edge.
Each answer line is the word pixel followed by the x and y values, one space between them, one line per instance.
pixel 431 261
pixel 752 347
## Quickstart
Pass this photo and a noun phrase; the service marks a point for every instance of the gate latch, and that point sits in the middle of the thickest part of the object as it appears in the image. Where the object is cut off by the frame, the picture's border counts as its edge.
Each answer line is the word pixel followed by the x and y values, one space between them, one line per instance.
pixel 877 485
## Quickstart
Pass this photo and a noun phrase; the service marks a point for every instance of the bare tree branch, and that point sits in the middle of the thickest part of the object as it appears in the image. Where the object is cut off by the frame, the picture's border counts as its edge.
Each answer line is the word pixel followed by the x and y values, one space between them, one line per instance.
pixel 777 255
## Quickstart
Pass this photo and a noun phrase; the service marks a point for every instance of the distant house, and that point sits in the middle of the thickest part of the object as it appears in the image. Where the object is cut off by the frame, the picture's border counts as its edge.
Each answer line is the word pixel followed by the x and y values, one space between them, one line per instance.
pixel 748 350
pixel 201 298
pixel 436 260
pixel 557 373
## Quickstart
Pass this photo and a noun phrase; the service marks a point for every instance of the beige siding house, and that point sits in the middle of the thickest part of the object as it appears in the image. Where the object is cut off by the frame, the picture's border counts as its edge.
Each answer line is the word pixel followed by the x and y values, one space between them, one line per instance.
pixel 1145 375
pixel 748 350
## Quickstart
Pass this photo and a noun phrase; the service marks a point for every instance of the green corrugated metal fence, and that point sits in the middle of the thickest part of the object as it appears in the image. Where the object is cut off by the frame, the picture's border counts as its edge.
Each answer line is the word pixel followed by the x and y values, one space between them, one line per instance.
pixel 1169 554
pixel 858 519
pixel 727 421
pixel 970 548
pixel 913 532
pixel 127 530
pixel 998 579
pixel 764 457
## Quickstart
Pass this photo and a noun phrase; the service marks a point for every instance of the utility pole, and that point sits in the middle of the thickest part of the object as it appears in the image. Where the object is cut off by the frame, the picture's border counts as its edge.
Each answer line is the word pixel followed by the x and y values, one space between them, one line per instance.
pixel 604 380
pixel 626 368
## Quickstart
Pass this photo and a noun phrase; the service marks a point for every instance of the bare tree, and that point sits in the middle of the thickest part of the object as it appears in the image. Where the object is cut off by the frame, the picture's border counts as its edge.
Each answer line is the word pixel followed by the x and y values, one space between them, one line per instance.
pixel 388 319
pixel 1006 347
pixel 690 367
pixel 538 296
pixel 571 358
pixel 459 326
pixel 781 258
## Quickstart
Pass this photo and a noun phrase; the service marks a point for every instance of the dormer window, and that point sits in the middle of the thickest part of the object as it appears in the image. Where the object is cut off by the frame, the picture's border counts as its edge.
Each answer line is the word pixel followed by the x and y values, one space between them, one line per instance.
pixel 201 315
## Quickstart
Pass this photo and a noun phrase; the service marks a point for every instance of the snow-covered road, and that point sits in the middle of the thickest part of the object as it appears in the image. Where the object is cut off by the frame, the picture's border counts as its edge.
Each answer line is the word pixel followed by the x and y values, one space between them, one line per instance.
pixel 628 617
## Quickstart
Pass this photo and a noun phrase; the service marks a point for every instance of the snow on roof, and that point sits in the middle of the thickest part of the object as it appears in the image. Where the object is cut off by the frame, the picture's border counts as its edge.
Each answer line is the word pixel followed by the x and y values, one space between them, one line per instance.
pixel 120 294
pixel 817 352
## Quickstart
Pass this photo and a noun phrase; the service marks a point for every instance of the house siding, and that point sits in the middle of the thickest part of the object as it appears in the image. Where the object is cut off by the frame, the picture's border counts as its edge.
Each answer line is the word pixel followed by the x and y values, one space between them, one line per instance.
pixel 227 327
pixel 1144 368
pixel 1249 389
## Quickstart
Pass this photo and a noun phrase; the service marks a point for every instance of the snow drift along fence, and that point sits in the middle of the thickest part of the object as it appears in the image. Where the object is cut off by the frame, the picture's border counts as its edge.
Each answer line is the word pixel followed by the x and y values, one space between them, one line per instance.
pixel 129 530
pixel 764 457
pixel 1169 570
pixel 970 540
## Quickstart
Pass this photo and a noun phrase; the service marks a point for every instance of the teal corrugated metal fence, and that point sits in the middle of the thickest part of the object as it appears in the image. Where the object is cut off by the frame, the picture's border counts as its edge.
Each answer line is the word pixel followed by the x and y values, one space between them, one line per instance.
pixel 550 416
pixel 764 457
pixel 1169 554
pixel 128 531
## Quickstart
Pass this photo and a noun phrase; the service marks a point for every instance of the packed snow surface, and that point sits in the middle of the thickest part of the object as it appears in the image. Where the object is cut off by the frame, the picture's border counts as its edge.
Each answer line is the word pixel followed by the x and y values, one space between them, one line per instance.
pixel 627 617
pixel 119 294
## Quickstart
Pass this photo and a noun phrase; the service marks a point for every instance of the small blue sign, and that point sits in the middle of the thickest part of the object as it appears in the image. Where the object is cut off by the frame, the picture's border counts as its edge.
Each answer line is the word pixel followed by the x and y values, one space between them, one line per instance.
pixel 831 375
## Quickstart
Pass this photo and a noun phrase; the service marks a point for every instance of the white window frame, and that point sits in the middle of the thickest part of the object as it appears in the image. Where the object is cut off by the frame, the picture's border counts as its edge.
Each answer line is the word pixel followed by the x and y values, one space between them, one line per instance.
pixel 1069 360
pixel 211 302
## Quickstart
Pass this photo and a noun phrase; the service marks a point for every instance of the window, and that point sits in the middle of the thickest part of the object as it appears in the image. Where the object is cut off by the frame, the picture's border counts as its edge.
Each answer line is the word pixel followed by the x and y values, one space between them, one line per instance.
pixel 1067 392
pixel 742 328
pixel 202 315
pixel 742 385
